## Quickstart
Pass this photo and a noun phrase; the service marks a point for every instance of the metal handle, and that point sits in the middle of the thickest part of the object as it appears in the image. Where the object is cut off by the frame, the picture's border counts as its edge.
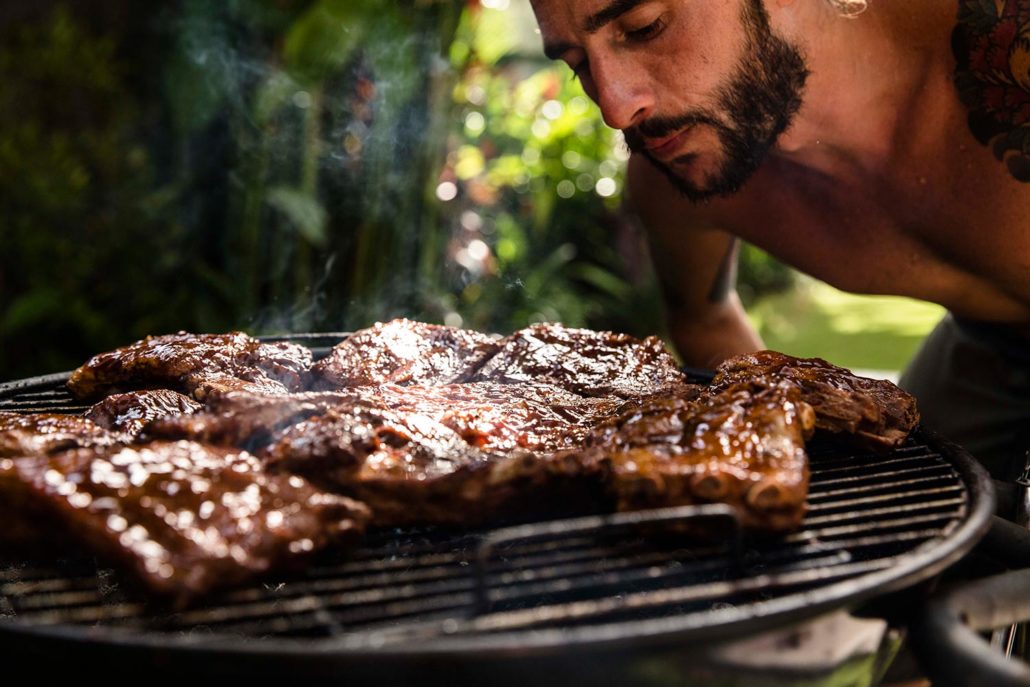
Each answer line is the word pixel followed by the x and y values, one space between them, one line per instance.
pixel 945 635
pixel 556 529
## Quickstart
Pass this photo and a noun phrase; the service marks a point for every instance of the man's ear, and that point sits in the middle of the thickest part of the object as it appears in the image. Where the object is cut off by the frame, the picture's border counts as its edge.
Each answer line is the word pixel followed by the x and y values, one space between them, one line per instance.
pixel 850 8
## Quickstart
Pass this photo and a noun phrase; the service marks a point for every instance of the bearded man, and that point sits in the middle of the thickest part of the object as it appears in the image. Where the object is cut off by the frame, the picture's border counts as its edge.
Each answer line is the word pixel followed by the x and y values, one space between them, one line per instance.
pixel 884 149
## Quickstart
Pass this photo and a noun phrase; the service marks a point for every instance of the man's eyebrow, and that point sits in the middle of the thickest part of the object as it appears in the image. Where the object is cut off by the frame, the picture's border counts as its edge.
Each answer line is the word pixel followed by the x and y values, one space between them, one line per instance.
pixel 594 23
pixel 613 11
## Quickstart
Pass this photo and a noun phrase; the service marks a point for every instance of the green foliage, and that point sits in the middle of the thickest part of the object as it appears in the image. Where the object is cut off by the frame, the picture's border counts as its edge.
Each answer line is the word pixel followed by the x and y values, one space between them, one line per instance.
pixel 279 166
pixel 73 199
pixel 538 233
pixel 324 38
pixel 536 228
pixel 249 178
pixel 859 332
pixel 760 274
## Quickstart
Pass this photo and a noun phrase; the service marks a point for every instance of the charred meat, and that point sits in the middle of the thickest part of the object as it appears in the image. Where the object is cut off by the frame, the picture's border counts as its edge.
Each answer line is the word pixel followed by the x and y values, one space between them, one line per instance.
pixel 876 412
pixel 247 420
pixel 412 469
pixel 486 415
pixel 130 412
pixel 43 433
pixel 197 364
pixel 744 446
pixel 185 518
pixel 589 363
pixel 404 352
pixel 501 417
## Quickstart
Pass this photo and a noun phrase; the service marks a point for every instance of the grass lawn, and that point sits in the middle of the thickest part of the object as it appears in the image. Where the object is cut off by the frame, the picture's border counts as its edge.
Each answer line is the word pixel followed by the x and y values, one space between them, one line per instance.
pixel 859 332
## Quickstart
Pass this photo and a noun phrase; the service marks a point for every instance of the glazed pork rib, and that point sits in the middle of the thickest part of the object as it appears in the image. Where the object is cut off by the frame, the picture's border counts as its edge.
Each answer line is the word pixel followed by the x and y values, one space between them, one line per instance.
pixel 410 424
pixel 403 352
pixel 22 524
pixel 874 411
pixel 197 364
pixel 184 517
pixel 131 412
pixel 585 362
pixel 486 415
pixel 743 446
pixel 412 469
pixel 432 424
pixel 245 419
pixel 44 433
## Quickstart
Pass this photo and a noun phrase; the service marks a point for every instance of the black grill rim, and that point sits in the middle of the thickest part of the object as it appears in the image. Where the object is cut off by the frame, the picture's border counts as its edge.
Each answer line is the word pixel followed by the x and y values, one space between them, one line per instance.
pixel 633 635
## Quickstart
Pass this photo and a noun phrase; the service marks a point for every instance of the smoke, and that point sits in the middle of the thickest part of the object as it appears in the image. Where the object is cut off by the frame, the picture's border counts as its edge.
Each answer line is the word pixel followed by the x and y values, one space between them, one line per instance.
pixel 307 155
pixel 305 313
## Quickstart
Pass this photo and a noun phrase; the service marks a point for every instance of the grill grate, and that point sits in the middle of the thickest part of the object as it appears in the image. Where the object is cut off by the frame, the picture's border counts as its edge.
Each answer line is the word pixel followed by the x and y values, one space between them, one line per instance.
pixel 874 523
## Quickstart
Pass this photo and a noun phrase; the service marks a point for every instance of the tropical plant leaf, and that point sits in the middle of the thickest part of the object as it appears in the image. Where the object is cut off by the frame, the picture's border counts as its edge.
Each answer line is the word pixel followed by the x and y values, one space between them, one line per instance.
pixel 324 38
pixel 305 213
pixel 274 93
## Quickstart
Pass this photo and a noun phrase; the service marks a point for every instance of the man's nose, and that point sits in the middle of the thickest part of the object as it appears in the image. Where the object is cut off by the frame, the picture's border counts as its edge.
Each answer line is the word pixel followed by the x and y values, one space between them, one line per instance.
pixel 624 96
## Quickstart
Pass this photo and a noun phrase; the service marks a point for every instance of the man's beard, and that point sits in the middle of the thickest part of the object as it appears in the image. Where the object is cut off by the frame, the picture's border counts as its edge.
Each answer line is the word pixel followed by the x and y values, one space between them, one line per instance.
pixel 758 104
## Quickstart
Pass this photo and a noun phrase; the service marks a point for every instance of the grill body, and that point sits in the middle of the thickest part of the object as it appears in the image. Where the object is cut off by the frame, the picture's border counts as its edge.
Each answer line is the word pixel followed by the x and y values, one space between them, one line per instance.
pixel 595 600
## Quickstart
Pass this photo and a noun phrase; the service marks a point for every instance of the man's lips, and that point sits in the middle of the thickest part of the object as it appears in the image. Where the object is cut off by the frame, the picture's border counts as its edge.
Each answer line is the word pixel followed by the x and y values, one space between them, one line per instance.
pixel 666 145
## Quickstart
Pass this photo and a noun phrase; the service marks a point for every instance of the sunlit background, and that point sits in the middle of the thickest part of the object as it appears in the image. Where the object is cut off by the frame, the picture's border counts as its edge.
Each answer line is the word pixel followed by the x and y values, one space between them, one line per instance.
pixel 317 165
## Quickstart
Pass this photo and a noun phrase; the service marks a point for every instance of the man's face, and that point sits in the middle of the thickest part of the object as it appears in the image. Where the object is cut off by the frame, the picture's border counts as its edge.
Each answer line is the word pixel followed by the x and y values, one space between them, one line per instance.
pixel 702 89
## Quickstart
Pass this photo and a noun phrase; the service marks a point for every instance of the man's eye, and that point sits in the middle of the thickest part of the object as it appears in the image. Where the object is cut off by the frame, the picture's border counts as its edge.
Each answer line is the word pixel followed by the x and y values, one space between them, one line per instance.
pixel 647 32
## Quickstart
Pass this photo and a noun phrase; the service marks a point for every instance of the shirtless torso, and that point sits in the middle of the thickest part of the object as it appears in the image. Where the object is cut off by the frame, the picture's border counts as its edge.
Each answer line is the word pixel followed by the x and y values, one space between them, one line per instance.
pixel 888 193
pixel 893 157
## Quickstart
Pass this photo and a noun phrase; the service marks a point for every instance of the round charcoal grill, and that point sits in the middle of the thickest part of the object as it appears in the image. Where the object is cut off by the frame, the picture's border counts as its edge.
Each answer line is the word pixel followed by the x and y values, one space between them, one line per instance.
pixel 604 599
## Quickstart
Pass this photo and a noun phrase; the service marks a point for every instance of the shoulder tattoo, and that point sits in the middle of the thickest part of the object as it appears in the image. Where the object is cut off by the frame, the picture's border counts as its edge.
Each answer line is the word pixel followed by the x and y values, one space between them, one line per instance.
pixel 991 42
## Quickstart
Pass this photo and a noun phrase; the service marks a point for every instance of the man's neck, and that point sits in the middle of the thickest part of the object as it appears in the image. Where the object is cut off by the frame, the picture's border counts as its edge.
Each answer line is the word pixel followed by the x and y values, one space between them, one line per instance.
pixel 875 86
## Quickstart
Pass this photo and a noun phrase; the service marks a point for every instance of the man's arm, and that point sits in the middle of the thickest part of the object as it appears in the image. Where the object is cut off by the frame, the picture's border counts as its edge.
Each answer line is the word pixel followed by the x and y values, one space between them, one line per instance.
pixel 697 267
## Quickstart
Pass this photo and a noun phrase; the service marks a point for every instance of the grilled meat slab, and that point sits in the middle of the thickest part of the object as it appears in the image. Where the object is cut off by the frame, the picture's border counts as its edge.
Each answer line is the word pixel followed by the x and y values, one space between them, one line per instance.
pixel 448 454
pixel 131 412
pixel 586 362
pixel 486 415
pixel 22 524
pixel 42 433
pixel 411 468
pixel 876 412
pixel 743 446
pixel 246 419
pixel 403 352
pixel 196 364
pixel 500 417
pixel 184 517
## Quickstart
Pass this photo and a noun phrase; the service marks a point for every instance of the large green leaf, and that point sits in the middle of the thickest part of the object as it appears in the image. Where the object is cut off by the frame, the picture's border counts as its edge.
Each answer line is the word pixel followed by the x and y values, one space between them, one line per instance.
pixel 303 210
pixel 275 92
pixel 324 38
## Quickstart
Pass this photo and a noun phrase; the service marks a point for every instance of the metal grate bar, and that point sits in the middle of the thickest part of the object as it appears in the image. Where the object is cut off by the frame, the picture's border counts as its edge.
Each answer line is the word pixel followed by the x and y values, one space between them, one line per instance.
pixel 84 616
pixel 562 574
pixel 667 597
pixel 851 504
pixel 861 527
pixel 857 485
pixel 46 408
pixel 830 470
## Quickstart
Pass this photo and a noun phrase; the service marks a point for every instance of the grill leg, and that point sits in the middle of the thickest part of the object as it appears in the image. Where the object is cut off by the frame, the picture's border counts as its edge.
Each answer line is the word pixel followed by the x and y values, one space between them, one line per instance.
pixel 1011 641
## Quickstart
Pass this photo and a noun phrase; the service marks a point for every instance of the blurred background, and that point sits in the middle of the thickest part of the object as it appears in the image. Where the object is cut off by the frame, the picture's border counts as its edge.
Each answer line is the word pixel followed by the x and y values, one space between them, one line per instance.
pixel 318 165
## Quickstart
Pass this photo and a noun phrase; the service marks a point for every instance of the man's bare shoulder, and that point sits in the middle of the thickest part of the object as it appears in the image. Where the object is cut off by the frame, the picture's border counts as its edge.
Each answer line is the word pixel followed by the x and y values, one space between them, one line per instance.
pixel 991 44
